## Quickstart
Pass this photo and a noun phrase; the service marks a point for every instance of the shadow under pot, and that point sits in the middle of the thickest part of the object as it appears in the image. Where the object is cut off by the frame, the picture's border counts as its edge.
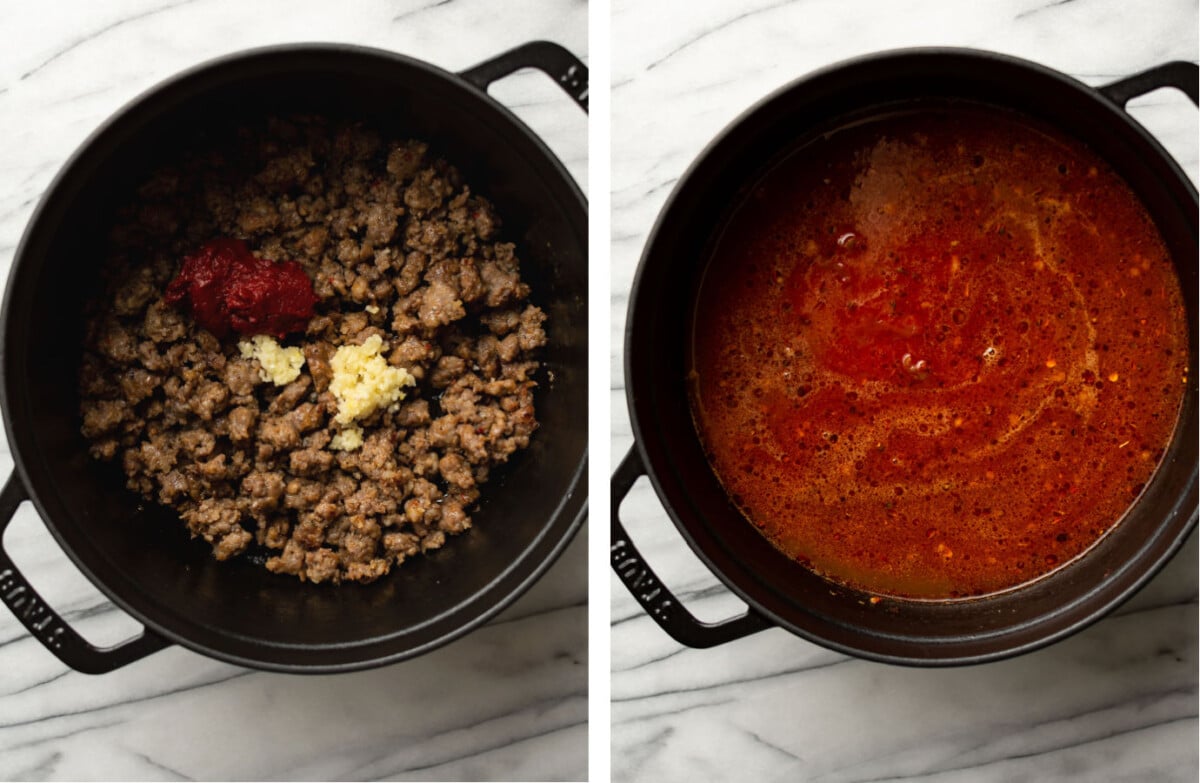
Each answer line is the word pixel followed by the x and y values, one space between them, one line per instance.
pixel 139 554
pixel 780 590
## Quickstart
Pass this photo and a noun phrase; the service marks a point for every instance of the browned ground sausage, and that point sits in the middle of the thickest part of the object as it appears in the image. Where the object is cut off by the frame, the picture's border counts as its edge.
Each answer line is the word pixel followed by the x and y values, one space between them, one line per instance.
pixel 397 246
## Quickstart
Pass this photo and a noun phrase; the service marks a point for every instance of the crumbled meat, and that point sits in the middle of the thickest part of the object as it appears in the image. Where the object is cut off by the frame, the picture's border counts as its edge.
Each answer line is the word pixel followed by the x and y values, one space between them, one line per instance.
pixel 133 297
pixel 439 306
pixel 279 433
pixel 397 246
pixel 218 522
pixel 138 384
pixel 241 423
pixel 405 160
pixel 104 416
pixel 241 376
pixel 455 471
pixel 316 361
pixel 447 369
pixel 263 490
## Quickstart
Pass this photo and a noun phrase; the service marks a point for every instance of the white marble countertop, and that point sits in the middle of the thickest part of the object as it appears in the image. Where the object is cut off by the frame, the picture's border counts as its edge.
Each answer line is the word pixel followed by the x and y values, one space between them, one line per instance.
pixel 1116 702
pixel 508 701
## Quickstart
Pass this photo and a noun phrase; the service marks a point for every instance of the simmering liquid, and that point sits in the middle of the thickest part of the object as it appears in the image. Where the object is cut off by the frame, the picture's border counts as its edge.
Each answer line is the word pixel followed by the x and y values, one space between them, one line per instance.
pixel 938 354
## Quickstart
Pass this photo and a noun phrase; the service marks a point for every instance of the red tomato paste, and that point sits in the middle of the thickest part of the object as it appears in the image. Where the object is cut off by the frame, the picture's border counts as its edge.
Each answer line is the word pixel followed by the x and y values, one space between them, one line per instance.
pixel 229 289
pixel 938 354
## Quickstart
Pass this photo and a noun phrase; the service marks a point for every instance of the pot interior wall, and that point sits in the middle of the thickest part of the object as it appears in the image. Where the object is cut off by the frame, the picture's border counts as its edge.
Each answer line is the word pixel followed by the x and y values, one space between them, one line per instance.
pixel 141 552
pixel 659 333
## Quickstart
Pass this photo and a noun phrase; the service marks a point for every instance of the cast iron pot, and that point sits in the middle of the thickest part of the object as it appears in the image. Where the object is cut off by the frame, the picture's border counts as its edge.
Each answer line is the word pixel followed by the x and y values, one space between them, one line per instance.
pixel 779 591
pixel 139 554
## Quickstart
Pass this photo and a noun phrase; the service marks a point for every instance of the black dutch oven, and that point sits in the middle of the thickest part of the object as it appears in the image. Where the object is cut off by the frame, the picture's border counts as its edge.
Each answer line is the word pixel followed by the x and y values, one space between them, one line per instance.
pixel 780 592
pixel 140 555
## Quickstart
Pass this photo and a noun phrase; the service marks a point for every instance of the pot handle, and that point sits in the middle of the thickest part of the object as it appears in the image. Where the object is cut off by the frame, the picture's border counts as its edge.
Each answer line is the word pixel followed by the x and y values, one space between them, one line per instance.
pixel 1181 75
pixel 550 58
pixel 654 597
pixel 44 623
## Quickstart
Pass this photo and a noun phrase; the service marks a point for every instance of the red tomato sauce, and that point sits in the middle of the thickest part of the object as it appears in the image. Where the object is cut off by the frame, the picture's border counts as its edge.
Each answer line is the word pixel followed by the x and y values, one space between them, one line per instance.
pixel 229 289
pixel 938 354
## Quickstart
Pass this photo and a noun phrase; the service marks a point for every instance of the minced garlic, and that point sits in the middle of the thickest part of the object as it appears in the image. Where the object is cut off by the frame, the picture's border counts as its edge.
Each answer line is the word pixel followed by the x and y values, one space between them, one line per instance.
pixel 277 364
pixel 348 439
pixel 363 381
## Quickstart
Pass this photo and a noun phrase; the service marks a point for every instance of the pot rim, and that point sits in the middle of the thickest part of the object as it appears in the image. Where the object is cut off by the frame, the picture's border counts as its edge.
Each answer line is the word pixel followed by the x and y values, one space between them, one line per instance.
pixel 876 59
pixel 575 494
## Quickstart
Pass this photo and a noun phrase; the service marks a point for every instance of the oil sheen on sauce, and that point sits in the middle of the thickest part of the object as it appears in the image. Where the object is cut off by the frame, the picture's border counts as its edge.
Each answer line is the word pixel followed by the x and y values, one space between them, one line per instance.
pixel 938 354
